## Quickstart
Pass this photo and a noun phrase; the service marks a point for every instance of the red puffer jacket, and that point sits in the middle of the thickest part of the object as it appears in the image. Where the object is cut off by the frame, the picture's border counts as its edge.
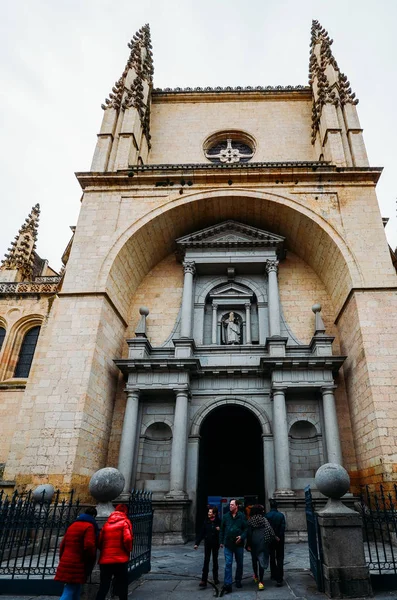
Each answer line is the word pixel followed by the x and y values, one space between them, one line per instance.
pixel 77 553
pixel 115 539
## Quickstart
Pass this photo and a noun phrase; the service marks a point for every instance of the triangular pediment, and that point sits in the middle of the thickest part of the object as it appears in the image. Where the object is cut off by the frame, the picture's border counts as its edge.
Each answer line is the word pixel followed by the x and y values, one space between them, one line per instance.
pixel 231 234
pixel 231 289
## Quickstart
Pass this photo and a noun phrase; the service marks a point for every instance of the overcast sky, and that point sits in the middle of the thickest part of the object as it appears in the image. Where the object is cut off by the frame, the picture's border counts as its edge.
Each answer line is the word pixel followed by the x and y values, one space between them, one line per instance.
pixel 60 58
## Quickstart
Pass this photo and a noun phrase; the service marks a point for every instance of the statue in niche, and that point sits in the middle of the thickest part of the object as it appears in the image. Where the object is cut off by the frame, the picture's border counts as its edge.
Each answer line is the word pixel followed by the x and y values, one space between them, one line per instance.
pixel 232 330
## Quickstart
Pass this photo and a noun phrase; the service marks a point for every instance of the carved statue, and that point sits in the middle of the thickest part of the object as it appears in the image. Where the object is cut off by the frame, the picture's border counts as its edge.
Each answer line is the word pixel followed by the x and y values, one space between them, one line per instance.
pixel 232 330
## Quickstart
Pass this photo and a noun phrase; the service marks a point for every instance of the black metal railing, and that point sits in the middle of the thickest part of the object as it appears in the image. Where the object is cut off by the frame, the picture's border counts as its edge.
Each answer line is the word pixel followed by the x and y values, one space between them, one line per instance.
pixel 31 531
pixel 30 534
pixel 314 540
pixel 140 512
pixel 378 509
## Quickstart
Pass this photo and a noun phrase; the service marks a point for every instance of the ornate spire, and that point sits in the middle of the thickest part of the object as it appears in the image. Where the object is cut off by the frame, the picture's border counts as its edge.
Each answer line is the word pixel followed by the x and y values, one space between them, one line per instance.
pixel 125 94
pixel 330 85
pixel 20 256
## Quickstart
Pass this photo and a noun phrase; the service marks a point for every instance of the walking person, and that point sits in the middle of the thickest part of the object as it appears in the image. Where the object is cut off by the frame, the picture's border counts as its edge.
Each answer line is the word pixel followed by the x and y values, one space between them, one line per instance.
pixel 259 536
pixel 115 545
pixel 210 534
pixel 276 550
pixel 232 537
pixel 77 554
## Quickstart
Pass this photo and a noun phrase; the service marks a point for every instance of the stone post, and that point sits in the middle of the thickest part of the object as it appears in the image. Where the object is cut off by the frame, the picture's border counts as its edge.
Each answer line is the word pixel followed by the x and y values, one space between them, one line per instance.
pixel 332 439
pixel 179 446
pixel 248 323
pixel 187 300
pixel 281 443
pixel 128 437
pixel 273 298
pixel 214 322
pixel 346 574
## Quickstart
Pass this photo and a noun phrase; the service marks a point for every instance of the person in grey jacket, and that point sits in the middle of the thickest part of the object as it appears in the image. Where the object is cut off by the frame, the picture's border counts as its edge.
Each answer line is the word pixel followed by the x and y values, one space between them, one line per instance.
pixel 259 536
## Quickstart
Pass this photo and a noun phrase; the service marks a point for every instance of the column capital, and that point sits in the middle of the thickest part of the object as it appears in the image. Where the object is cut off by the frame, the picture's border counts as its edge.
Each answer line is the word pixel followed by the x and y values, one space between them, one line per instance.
pixel 189 266
pixel 271 265
pixel 247 304
pixel 182 392
pixel 277 390
pixel 328 388
pixel 133 392
pixel 215 306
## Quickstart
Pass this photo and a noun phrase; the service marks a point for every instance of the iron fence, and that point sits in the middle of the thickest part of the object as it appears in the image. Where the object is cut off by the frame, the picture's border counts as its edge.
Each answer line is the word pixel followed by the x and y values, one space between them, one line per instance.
pixel 31 532
pixel 379 514
pixel 140 513
pixel 314 540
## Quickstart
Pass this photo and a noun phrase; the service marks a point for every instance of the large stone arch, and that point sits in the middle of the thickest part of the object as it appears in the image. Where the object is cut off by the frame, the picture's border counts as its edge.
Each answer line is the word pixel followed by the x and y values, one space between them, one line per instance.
pixel 204 411
pixel 147 241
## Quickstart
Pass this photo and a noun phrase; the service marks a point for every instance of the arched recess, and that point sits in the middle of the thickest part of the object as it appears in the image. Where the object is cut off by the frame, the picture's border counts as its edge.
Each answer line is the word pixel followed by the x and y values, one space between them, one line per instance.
pixel 154 463
pixel 204 411
pixel 14 340
pixel 306 451
pixel 150 239
pixel 3 331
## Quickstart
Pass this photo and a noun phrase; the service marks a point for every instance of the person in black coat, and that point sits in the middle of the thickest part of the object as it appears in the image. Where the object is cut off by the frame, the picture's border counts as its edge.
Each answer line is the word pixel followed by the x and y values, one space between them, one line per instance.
pixel 210 534
pixel 277 521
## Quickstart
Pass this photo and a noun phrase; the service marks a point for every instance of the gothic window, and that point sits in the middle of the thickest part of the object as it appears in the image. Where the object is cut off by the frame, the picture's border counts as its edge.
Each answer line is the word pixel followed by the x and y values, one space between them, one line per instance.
pixel 229 147
pixel 2 336
pixel 26 352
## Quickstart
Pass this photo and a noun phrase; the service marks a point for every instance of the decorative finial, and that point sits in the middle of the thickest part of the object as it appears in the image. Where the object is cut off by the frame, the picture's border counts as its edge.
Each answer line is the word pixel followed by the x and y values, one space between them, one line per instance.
pixel 20 256
pixel 336 92
pixel 123 95
pixel 140 331
pixel 319 328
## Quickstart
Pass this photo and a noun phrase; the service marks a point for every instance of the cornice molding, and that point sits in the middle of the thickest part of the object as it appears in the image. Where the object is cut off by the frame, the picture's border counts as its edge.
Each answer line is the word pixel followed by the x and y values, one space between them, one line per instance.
pixel 182 177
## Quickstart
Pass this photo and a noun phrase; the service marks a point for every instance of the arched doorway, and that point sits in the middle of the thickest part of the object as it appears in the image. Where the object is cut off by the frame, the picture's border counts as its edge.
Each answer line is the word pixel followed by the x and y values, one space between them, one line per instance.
pixel 230 457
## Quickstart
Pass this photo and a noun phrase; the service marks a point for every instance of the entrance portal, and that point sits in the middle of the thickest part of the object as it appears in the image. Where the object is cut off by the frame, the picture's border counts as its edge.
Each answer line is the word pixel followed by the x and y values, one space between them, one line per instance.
pixel 231 456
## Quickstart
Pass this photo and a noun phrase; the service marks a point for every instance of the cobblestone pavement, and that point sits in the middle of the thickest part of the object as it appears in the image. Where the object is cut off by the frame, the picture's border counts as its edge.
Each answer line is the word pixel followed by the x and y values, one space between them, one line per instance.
pixel 176 572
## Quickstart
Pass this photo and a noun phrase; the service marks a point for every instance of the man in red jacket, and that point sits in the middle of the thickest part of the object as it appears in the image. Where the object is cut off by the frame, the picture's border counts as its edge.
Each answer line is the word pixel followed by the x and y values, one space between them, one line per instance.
pixel 115 544
pixel 77 554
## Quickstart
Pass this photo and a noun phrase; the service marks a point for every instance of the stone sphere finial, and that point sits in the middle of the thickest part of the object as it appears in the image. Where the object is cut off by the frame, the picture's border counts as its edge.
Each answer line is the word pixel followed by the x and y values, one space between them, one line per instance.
pixel 43 493
pixel 332 480
pixel 316 308
pixel 144 311
pixel 106 484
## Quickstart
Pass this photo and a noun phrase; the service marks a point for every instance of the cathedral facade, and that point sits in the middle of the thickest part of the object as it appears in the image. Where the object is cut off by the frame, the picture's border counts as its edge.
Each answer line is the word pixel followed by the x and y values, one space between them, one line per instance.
pixel 225 322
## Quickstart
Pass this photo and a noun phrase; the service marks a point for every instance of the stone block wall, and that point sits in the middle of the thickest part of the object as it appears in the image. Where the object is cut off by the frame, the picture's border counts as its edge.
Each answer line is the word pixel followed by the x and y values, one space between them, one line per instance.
pixel 281 128
pixel 367 327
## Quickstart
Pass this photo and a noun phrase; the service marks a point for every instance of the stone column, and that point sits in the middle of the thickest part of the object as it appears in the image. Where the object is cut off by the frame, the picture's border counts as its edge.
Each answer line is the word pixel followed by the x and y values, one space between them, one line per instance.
pixel 128 437
pixel 332 439
pixel 179 446
pixel 187 300
pixel 214 322
pixel 273 298
pixel 268 461
pixel 281 443
pixel 248 322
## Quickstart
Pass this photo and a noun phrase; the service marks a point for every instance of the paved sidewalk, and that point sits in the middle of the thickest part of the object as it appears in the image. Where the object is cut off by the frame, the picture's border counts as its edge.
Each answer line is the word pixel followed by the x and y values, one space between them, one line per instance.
pixel 176 572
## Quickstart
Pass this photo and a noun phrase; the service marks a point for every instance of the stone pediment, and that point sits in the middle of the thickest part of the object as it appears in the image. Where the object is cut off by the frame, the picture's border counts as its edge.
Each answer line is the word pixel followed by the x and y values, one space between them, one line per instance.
pixel 231 234
pixel 231 289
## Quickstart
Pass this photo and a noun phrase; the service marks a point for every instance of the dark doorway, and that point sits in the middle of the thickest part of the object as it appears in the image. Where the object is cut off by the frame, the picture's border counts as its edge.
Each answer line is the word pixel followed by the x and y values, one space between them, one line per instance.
pixel 231 456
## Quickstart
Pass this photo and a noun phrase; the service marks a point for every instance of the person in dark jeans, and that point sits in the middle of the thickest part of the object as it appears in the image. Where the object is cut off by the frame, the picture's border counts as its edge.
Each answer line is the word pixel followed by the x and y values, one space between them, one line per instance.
pixel 276 549
pixel 232 537
pixel 210 534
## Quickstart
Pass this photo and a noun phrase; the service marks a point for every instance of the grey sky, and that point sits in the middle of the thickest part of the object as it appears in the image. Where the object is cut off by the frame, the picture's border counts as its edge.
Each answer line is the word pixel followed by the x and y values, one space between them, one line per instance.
pixel 59 60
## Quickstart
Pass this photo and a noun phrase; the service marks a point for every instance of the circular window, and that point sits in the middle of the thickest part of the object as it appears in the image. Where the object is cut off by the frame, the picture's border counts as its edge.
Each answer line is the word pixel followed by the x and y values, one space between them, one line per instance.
pixel 229 147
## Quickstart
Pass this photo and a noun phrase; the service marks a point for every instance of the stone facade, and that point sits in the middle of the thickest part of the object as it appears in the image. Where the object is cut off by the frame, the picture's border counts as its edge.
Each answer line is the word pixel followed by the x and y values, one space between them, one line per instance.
pixel 229 254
